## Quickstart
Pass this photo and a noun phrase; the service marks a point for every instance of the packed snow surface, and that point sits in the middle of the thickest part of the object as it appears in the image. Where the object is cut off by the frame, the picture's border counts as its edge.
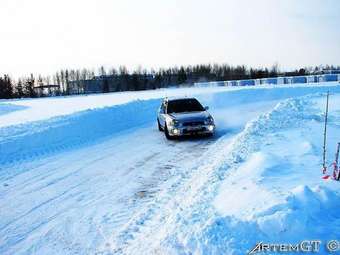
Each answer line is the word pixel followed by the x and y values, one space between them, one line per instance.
pixel 93 175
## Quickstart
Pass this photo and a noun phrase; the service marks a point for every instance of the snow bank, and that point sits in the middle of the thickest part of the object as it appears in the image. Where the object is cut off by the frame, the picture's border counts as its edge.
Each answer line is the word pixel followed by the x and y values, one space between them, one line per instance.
pixel 306 214
pixel 35 139
pixel 256 94
pixel 45 108
pixel 260 198
pixel 309 213
pixel 236 194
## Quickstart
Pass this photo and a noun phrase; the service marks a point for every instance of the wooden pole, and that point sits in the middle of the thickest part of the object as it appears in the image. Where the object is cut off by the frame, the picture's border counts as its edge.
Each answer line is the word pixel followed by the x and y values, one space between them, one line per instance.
pixel 324 167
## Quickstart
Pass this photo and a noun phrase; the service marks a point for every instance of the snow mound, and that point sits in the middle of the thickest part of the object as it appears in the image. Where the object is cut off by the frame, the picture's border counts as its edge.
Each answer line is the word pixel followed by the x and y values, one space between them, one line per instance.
pixel 236 194
pixel 303 214
pixel 307 214
pixel 287 114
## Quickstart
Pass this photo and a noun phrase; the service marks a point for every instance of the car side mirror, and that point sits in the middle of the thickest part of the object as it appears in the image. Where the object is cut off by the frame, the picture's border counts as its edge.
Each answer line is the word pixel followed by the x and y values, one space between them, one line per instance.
pixel 206 108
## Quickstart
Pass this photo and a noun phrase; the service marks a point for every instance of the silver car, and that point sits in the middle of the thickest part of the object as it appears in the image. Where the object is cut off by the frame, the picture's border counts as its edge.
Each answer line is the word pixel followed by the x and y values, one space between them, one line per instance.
pixel 184 116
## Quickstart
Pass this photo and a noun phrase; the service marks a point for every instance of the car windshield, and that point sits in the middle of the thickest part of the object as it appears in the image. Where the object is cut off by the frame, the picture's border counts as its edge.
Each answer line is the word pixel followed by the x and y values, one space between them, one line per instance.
pixel 184 105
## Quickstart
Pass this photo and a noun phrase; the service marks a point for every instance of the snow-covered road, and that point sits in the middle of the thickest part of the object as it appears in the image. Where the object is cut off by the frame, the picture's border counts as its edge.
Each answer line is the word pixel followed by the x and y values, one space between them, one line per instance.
pixel 90 191
pixel 76 201
pixel 112 194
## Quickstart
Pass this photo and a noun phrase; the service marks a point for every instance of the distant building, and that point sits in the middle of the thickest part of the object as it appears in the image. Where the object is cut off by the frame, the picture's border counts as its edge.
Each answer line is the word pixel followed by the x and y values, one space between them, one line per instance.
pixel 47 90
pixel 108 83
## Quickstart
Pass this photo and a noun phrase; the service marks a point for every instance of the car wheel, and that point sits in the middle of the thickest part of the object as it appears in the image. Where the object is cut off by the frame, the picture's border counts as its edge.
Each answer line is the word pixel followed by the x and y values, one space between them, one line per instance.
pixel 159 126
pixel 167 135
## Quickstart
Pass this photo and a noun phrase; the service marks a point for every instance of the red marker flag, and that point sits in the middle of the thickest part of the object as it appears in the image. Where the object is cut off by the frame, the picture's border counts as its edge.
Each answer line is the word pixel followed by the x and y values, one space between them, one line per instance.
pixel 326 177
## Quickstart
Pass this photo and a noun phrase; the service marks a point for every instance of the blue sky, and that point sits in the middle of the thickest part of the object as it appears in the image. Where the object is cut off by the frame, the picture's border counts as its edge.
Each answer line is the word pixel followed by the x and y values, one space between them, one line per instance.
pixel 42 36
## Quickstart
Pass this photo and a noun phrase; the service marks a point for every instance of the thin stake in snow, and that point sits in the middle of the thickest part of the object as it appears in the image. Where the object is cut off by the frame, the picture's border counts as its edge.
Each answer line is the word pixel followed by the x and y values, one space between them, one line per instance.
pixel 336 164
pixel 324 167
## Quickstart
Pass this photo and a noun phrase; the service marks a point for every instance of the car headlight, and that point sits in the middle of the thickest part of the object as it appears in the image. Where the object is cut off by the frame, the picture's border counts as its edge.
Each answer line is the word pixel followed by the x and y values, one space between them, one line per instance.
pixel 209 121
pixel 173 123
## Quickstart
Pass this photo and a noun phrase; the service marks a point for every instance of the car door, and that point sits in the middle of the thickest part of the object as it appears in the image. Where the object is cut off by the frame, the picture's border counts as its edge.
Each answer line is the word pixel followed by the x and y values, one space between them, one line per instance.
pixel 161 114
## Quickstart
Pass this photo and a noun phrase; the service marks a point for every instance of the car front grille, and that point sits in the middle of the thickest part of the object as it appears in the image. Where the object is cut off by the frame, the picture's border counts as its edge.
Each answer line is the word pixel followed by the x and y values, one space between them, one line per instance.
pixel 186 131
pixel 193 123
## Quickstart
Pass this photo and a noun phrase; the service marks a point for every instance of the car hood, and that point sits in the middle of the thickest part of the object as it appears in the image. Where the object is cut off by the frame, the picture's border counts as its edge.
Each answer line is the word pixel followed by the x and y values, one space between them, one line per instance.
pixel 190 116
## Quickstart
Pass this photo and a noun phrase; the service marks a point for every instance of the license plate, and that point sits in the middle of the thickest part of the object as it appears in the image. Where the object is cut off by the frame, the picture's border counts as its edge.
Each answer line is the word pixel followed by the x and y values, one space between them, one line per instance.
pixel 194 128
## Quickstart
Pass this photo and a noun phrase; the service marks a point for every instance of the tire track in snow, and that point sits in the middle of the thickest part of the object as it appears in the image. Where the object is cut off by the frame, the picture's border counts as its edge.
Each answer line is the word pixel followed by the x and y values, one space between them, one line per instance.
pixel 151 170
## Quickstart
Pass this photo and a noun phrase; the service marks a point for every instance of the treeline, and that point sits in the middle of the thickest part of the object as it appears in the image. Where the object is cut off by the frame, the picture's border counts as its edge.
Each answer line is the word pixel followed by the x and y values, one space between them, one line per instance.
pixel 71 81
pixel 22 88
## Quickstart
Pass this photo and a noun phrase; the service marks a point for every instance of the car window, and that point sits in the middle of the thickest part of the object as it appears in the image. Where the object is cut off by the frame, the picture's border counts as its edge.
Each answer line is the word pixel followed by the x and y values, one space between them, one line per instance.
pixel 162 109
pixel 184 105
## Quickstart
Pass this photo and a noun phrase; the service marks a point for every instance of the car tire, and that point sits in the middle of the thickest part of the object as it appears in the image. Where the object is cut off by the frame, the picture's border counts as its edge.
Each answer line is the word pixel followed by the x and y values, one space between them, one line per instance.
pixel 159 126
pixel 167 135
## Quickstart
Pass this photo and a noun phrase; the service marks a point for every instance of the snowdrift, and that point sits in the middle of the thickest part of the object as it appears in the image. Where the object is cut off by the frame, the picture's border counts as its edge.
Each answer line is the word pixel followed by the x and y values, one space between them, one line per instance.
pixel 35 139
pixel 261 197
pixel 306 214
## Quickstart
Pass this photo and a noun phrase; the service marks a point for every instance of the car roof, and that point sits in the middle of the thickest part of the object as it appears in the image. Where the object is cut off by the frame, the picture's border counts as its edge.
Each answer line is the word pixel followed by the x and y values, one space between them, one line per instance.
pixel 178 99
